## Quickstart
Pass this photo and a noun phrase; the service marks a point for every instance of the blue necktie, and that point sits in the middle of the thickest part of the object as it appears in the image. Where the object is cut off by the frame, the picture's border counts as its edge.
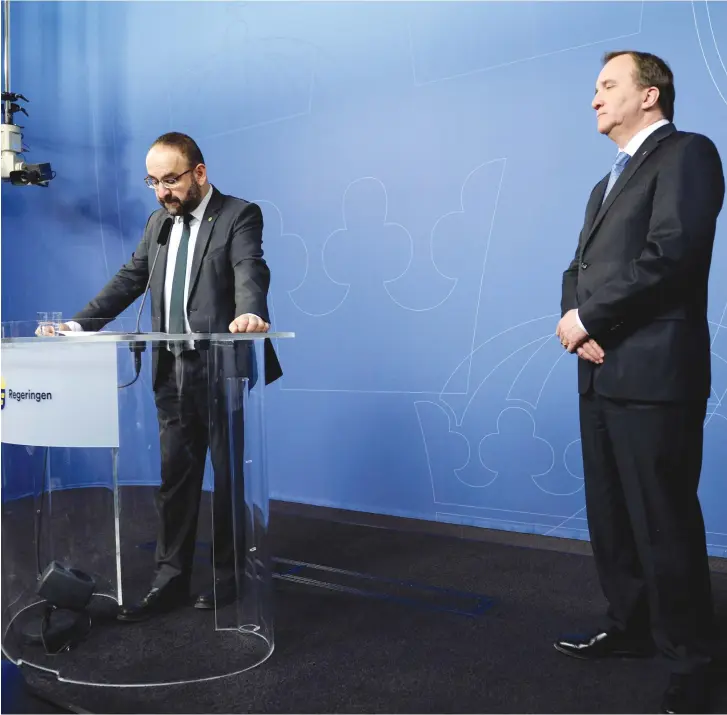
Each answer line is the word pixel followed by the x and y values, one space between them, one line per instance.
pixel 622 158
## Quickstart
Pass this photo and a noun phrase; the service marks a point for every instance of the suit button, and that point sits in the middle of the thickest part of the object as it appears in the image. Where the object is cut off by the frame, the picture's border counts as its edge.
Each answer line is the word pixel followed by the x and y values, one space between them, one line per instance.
pixel 584 266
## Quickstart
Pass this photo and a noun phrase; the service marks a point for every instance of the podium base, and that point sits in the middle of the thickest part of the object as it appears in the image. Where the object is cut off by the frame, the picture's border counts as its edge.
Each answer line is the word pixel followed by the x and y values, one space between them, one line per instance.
pixel 177 648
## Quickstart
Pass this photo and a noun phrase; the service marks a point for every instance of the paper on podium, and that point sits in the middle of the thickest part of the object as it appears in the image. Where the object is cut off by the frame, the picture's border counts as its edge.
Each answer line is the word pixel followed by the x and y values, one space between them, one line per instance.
pixel 84 333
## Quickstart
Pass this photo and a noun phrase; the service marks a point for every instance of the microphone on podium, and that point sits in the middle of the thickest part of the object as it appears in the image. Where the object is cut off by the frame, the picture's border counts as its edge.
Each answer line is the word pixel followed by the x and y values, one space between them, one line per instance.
pixel 139 347
pixel 162 239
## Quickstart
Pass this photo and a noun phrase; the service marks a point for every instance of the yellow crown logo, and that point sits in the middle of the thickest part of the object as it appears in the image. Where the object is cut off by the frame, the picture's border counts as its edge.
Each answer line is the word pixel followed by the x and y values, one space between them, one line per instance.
pixel 2 394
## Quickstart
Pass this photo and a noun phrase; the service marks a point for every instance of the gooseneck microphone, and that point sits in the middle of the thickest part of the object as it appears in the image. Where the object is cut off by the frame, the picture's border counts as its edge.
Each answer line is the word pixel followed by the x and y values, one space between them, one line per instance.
pixel 139 347
pixel 164 233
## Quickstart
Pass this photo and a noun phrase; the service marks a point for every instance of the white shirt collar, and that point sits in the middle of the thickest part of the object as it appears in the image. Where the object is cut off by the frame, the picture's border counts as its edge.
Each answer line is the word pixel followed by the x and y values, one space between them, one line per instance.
pixel 638 139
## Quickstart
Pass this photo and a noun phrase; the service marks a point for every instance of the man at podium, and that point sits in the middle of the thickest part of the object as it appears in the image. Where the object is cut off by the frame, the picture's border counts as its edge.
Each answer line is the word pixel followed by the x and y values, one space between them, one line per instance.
pixel 209 276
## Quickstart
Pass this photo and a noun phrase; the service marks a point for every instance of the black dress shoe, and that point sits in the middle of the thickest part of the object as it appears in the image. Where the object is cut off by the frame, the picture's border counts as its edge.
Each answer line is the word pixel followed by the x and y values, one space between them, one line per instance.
pixel 686 694
pixel 605 644
pixel 156 602
pixel 225 592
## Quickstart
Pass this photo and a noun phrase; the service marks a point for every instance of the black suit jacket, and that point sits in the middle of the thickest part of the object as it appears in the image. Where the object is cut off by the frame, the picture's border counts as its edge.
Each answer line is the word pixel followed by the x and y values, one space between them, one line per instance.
pixel 640 272
pixel 229 277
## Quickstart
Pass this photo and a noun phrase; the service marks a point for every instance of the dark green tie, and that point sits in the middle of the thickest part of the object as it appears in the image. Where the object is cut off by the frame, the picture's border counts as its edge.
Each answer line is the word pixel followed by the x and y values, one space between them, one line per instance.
pixel 176 302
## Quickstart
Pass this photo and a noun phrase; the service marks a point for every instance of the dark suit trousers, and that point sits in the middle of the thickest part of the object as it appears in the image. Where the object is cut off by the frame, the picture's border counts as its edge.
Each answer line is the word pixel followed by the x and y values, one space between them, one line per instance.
pixel 192 414
pixel 642 464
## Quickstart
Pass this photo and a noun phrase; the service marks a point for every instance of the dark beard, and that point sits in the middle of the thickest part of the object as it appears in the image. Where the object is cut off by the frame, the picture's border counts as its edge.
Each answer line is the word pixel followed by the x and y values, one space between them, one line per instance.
pixel 181 207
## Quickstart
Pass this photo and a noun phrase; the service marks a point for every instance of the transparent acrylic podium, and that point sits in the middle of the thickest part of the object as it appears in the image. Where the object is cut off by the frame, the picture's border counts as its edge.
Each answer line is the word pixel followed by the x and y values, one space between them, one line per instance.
pixel 80 479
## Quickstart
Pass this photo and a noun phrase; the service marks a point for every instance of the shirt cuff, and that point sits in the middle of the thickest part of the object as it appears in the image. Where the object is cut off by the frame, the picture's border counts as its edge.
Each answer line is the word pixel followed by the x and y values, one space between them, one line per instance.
pixel 74 326
pixel 578 318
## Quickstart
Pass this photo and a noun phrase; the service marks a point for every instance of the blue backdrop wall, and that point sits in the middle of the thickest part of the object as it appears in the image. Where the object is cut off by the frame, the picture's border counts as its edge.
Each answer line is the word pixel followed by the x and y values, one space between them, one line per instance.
pixel 423 170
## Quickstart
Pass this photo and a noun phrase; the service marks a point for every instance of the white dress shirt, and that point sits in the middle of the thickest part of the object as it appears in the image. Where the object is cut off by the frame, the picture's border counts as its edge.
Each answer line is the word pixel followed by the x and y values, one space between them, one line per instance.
pixel 631 148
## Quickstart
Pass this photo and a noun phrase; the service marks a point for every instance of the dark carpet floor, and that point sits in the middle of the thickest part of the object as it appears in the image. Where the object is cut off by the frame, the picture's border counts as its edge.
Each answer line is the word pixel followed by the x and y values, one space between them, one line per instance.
pixel 405 649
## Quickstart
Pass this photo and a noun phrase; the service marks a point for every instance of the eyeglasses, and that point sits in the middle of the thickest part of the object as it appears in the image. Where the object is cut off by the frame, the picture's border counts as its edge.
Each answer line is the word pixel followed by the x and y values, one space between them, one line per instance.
pixel 169 183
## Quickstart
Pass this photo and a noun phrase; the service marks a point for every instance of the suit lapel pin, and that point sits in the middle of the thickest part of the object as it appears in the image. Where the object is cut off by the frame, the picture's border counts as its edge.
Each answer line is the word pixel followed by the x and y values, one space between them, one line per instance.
pixel 210 218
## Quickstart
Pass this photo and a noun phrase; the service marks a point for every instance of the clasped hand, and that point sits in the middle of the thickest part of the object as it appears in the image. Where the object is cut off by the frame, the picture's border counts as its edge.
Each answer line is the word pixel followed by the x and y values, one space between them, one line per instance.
pixel 574 339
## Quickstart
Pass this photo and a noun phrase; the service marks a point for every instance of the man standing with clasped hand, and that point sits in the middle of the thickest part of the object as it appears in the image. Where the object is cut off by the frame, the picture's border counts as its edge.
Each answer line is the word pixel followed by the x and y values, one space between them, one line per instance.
pixel 210 277
pixel 634 307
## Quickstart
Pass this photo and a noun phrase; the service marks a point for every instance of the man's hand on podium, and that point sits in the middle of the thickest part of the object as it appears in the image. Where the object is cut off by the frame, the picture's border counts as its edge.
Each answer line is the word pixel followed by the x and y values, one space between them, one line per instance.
pixel 51 329
pixel 249 323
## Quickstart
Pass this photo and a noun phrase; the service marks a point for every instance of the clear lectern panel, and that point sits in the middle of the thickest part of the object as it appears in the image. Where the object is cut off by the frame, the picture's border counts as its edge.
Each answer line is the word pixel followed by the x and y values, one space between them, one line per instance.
pixel 132 461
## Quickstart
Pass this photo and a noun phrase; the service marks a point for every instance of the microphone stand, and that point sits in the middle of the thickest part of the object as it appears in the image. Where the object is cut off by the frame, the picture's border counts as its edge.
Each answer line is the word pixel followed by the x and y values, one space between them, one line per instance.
pixel 138 347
